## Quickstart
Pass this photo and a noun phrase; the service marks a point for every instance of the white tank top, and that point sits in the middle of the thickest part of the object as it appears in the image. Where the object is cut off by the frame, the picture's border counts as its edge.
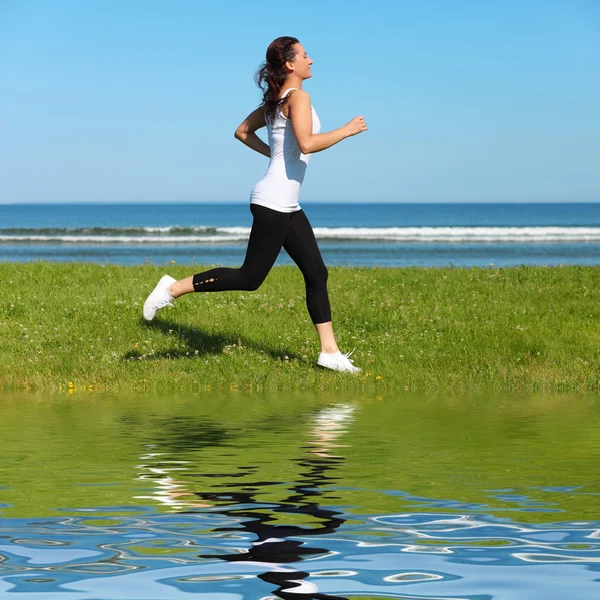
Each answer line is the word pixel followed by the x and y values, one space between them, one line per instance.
pixel 279 189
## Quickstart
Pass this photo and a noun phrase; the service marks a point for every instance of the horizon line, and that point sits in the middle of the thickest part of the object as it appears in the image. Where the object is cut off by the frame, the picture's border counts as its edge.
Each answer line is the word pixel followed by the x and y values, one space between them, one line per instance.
pixel 244 203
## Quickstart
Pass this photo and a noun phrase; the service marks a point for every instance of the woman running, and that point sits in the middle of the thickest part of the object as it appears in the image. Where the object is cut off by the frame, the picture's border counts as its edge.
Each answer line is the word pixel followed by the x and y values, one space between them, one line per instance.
pixel 278 220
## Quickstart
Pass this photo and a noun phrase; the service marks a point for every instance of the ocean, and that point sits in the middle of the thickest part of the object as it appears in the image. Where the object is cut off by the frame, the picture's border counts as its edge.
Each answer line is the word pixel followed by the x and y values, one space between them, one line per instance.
pixel 353 234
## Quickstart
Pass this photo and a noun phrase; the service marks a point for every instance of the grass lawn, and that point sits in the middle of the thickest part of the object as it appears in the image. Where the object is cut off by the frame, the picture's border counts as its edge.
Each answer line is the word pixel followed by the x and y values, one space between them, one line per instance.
pixel 71 326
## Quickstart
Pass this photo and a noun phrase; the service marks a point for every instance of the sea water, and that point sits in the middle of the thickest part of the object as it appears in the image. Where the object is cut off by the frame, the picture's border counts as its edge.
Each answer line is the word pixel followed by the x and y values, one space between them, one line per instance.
pixel 352 234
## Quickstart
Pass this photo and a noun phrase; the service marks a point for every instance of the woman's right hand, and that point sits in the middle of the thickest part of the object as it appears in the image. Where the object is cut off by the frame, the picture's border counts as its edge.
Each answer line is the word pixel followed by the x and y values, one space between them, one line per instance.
pixel 357 125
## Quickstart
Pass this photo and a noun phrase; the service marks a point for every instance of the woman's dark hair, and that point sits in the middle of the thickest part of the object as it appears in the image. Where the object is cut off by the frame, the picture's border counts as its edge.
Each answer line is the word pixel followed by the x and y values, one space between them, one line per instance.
pixel 271 74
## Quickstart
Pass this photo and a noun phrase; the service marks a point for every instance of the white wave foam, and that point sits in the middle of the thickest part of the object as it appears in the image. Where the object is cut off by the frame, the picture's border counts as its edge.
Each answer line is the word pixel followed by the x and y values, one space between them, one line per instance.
pixel 194 228
pixel 463 234
pixel 398 234
pixel 123 239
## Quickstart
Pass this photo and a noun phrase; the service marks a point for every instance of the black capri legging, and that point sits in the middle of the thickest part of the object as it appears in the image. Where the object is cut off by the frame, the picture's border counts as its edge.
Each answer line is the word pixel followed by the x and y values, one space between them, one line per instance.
pixel 272 230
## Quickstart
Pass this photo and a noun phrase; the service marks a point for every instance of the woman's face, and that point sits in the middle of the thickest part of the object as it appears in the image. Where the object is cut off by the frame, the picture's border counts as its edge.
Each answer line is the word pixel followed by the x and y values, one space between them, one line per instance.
pixel 301 63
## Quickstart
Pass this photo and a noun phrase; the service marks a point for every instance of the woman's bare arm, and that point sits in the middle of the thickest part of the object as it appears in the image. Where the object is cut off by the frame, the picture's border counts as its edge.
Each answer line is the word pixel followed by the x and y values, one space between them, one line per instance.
pixel 301 117
pixel 245 132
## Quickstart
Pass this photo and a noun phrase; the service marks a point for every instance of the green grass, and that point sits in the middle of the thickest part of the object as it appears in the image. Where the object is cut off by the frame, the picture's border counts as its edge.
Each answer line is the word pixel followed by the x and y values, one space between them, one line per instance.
pixel 517 328
pixel 437 446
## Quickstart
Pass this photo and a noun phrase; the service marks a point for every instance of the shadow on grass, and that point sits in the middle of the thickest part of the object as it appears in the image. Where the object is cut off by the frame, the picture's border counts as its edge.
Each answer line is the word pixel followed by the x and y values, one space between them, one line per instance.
pixel 204 343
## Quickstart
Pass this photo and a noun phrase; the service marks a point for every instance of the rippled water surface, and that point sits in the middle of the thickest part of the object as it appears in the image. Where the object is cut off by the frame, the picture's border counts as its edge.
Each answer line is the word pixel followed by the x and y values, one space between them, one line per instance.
pixel 247 497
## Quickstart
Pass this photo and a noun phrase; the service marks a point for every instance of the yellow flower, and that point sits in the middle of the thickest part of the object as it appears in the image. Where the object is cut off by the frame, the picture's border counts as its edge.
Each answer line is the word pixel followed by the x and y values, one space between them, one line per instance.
pixel 70 384
pixel 378 377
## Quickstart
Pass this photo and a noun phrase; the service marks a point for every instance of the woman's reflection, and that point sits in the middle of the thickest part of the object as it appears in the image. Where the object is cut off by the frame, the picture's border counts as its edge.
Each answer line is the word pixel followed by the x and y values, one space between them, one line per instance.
pixel 274 545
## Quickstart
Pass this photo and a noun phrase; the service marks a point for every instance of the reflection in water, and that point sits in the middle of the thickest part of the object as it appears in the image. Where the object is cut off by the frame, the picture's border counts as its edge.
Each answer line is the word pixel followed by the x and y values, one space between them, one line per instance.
pixel 169 492
pixel 422 505
pixel 274 544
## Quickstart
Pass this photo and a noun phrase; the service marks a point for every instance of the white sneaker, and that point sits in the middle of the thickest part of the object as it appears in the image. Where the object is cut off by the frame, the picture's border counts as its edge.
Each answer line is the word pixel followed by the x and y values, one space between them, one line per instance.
pixel 338 362
pixel 159 297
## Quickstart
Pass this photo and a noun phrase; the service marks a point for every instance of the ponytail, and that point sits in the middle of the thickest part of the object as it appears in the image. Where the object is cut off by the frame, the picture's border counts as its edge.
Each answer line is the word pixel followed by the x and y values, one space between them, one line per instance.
pixel 272 74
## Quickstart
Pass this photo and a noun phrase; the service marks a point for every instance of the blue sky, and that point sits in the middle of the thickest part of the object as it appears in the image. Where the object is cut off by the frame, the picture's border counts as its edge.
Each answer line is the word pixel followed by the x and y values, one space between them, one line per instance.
pixel 137 101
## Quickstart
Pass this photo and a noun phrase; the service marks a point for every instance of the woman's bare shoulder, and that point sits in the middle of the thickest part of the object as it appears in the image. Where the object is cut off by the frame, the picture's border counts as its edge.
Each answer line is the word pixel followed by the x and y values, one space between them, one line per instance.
pixel 301 95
